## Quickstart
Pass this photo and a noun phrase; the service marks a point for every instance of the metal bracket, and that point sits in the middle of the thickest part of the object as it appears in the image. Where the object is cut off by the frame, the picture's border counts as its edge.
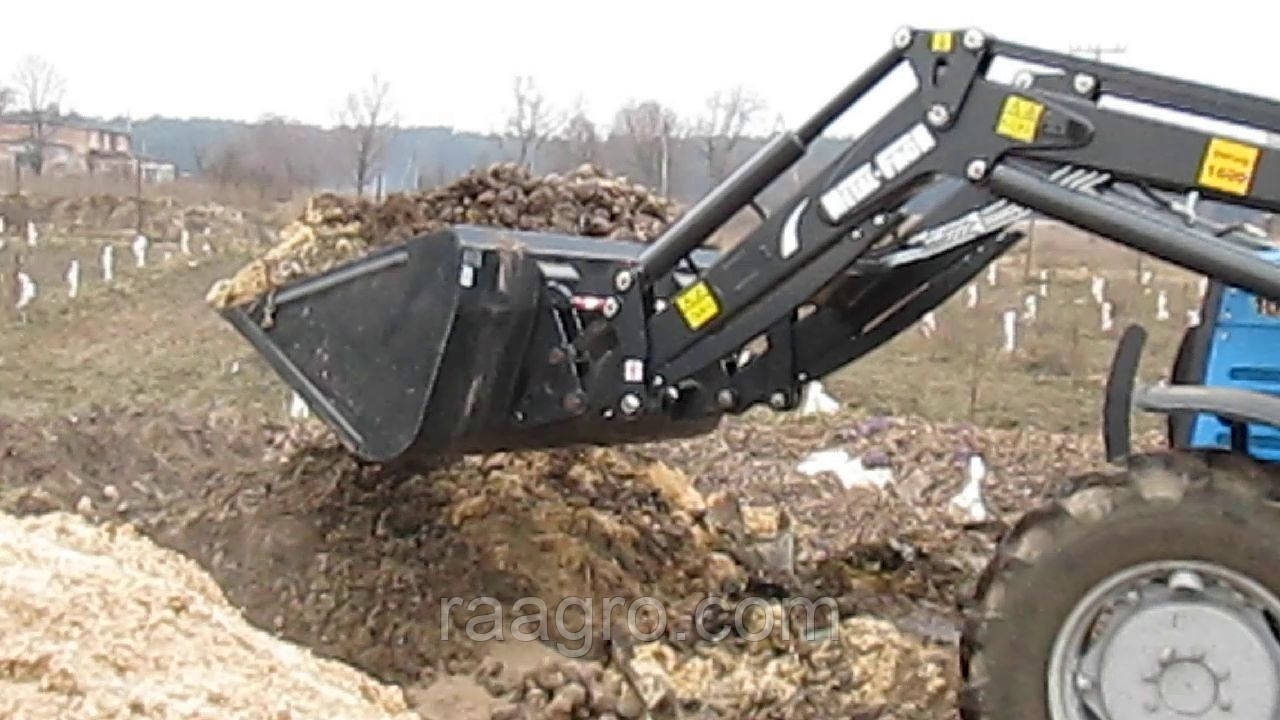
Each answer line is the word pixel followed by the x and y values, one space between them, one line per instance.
pixel 1117 405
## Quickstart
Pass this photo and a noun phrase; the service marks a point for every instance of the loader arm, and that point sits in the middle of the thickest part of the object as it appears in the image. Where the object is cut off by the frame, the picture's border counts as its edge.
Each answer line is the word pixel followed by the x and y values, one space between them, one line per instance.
pixel 832 274
pixel 545 340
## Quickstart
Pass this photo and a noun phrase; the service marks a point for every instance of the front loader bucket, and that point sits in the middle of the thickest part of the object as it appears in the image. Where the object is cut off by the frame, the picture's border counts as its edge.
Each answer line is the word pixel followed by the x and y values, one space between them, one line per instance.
pixel 387 351
pixel 427 348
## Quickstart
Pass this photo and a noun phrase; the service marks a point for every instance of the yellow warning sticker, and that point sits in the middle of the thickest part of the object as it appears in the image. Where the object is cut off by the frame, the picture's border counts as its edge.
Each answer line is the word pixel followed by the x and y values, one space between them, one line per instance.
pixel 941 42
pixel 697 305
pixel 1228 166
pixel 1020 119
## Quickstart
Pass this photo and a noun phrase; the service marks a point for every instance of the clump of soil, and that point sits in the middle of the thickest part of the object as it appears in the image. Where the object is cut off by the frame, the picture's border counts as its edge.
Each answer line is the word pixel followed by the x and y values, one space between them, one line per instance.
pixel 861 668
pixel 99 622
pixel 335 229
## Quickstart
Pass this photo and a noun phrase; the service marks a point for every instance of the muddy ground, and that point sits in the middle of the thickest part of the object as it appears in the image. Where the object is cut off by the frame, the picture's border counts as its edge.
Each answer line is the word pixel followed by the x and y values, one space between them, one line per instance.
pixel 355 562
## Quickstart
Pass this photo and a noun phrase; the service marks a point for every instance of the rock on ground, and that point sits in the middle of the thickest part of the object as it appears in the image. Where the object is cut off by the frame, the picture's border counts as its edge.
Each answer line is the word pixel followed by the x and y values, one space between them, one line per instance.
pixel 98 622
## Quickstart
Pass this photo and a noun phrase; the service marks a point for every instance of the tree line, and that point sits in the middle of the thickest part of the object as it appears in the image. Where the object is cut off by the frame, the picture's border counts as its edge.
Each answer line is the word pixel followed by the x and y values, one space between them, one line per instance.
pixel 646 140
pixel 368 149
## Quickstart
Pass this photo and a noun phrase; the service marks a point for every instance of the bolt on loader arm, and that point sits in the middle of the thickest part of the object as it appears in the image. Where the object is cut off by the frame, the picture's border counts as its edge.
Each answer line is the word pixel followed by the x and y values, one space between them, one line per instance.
pixel 545 340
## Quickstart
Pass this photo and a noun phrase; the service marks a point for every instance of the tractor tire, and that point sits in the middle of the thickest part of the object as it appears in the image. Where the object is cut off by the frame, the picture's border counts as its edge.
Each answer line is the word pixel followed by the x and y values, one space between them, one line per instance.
pixel 1207 510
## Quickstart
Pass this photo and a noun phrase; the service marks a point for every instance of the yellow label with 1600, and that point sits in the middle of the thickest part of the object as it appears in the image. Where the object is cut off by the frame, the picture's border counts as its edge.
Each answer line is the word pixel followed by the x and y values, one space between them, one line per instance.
pixel 1228 166
pixel 697 305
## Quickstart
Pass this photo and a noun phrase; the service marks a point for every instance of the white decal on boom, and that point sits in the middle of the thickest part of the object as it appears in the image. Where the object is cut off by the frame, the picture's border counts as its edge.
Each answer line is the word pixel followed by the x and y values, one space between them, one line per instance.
pixel 904 152
pixel 789 243
pixel 855 188
pixel 892 160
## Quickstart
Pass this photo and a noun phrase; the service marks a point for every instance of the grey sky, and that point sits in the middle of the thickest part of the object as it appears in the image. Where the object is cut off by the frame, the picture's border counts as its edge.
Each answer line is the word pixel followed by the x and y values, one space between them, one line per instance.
pixel 451 63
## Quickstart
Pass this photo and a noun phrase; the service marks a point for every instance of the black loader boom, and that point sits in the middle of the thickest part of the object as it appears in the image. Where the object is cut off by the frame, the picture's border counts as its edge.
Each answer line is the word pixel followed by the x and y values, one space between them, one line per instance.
pixel 478 339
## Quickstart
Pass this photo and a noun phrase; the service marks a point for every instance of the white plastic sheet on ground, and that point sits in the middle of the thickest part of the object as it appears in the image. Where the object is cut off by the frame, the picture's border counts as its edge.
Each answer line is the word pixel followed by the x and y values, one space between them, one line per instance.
pixel 849 471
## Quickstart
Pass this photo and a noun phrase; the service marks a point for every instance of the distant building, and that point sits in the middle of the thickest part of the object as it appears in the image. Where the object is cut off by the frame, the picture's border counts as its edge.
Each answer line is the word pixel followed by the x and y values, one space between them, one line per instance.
pixel 74 145
pixel 155 170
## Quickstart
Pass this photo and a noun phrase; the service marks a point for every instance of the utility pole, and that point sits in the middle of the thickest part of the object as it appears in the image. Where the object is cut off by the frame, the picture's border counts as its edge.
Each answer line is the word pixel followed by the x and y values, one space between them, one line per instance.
pixel 137 173
pixel 665 159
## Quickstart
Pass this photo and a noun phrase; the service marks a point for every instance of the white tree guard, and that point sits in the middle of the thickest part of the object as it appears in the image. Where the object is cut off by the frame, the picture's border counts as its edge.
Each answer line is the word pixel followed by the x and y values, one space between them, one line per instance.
pixel 26 290
pixel 108 263
pixel 969 502
pixel 73 279
pixel 140 250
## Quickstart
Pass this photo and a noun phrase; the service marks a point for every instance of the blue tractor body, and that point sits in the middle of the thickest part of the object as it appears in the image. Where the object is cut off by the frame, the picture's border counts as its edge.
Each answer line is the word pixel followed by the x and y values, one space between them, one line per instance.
pixel 1236 345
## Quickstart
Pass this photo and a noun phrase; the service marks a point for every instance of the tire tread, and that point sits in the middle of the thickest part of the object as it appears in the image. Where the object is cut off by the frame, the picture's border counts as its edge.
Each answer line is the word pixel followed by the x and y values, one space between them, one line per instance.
pixel 1165 478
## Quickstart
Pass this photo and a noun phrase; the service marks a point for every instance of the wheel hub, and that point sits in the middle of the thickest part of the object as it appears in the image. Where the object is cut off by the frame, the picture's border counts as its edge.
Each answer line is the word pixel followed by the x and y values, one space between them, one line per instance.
pixel 1191 658
pixel 1169 642
pixel 1189 688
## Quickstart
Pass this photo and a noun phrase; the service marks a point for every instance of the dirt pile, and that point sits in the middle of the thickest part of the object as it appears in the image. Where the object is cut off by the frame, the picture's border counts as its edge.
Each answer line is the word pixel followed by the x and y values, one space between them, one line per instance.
pixel 99 622
pixel 415 575
pixel 356 562
pixel 163 218
pixel 335 229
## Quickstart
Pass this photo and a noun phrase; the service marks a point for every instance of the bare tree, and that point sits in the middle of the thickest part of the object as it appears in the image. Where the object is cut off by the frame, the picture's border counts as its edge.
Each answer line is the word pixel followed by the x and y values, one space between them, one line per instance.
pixel 367 123
pixel 38 90
pixel 580 139
pixel 648 129
pixel 279 155
pixel 274 157
pixel 203 155
pixel 6 99
pixel 228 165
pixel 532 121
pixel 730 115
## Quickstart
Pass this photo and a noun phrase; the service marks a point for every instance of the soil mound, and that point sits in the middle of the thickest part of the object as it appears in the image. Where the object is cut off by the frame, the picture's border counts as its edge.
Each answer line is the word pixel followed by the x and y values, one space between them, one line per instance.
pixel 336 229
pixel 99 622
